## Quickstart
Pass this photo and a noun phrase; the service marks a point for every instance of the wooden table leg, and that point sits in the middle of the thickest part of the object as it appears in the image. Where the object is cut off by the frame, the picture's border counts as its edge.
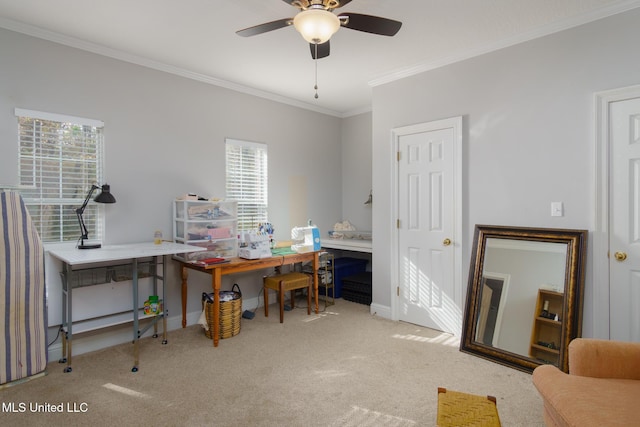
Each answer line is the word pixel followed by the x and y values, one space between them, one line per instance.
pixel 185 275
pixel 216 279
pixel 309 290
pixel 281 301
pixel 316 265
pixel 266 301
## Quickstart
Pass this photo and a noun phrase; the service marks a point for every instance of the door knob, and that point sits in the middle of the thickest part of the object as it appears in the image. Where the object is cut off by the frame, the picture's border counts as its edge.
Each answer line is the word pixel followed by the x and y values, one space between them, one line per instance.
pixel 620 256
pixel 446 242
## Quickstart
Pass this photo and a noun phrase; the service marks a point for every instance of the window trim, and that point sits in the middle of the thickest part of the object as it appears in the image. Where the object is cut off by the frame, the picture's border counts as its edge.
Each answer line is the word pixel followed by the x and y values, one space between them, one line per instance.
pixel 97 233
pixel 258 146
pixel 54 117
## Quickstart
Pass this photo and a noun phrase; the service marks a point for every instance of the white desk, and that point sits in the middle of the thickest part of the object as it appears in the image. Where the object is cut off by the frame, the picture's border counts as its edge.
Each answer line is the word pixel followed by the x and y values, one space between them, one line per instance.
pixel 355 245
pixel 74 259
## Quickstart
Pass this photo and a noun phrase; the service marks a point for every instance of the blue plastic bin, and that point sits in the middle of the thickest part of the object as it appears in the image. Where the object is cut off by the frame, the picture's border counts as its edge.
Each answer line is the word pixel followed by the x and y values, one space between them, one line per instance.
pixel 344 267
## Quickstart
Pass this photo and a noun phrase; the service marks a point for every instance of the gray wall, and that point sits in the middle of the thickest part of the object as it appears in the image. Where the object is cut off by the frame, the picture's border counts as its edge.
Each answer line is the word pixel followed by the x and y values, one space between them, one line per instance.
pixel 528 113
pixel 356 170
pixel 164 136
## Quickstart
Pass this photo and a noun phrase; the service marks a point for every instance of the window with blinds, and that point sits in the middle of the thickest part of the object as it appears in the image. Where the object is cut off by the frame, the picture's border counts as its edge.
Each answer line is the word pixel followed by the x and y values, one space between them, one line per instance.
pixel 247 181
pixel 60 158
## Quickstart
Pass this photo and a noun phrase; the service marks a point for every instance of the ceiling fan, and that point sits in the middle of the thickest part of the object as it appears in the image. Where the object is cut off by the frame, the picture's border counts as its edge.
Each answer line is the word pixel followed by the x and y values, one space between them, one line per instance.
pixel 316 22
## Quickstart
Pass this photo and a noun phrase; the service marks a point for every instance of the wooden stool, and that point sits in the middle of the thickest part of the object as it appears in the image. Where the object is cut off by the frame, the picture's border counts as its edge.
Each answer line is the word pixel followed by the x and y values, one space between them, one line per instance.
pixel 456 409
pixel 287 282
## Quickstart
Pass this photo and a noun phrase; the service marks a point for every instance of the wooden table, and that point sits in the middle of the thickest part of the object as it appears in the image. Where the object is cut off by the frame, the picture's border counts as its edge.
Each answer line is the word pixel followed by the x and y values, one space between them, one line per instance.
pixel 240 265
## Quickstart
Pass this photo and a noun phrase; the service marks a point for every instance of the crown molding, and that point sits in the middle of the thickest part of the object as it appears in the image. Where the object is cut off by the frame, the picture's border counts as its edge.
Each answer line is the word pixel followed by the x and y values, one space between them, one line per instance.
pixel 555 27
pixel 73 42
pixel 357 111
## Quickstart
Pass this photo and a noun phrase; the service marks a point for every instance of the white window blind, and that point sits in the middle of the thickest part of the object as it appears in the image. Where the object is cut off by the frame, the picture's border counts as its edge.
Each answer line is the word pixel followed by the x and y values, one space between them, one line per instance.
pixel 60 158
pixel 247 181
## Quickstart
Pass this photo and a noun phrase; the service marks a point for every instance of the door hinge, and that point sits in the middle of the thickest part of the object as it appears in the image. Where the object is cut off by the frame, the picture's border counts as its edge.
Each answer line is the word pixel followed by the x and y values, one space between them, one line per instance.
pixel 397 223
pixel 398 155
pixel 398 290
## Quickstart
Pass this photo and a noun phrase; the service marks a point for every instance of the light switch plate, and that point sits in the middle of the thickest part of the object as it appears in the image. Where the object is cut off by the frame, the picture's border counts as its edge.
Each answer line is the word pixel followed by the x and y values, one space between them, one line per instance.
pixel 557 209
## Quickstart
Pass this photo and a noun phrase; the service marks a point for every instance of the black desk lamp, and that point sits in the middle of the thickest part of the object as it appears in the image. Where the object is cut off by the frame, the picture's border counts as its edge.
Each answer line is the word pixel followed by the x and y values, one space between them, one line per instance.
pixel 104 197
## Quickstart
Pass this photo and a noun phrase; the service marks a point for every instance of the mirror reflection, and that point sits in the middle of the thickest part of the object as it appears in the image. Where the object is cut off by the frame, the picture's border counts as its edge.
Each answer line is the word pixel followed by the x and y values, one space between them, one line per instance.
pixel 505 310
pixel 524 301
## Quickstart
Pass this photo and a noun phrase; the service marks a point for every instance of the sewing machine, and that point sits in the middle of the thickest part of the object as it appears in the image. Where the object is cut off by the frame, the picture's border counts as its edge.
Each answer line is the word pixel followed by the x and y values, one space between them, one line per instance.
pixel 255 245
pixel 305 239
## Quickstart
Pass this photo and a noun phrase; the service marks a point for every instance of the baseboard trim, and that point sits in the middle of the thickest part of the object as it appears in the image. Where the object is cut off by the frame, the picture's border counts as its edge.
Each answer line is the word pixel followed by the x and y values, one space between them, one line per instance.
pixel 108 337
pixel 380 310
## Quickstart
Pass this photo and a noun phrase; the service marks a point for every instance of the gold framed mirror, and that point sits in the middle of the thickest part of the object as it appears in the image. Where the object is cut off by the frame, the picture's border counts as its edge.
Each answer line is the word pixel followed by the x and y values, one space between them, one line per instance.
pixel 525 295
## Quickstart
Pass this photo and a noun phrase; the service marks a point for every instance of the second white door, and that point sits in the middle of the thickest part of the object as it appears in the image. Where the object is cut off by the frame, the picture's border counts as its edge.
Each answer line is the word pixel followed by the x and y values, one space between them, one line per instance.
pixel 624 237
pixel 429 290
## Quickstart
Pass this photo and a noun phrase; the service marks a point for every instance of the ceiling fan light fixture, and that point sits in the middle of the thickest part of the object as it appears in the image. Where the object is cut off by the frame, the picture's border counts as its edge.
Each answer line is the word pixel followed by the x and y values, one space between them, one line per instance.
pixel 316 25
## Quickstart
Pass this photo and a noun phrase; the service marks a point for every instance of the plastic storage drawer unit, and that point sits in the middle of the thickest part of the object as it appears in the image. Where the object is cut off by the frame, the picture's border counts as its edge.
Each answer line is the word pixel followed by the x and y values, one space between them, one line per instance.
pixel 357 288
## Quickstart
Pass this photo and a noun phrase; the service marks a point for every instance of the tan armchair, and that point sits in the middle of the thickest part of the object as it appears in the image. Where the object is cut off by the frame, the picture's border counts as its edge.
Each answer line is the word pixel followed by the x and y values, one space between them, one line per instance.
pixel 602 387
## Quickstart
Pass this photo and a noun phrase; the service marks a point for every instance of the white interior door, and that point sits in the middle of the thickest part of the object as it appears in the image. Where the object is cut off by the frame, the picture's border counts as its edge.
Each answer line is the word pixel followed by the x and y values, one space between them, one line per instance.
pixel 429 288
pixel 624 236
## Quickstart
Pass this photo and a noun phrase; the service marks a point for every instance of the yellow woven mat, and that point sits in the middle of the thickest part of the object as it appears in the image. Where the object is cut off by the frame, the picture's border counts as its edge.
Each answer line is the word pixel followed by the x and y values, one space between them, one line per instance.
pixel 457 409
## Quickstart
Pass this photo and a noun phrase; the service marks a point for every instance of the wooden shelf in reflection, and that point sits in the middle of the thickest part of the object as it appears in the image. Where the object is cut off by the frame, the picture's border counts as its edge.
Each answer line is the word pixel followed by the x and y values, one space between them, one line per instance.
pixel 546 333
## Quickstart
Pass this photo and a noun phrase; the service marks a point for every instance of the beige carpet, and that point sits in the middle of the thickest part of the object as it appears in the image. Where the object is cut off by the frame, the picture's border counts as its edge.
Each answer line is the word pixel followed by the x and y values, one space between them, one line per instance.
pixel 343 367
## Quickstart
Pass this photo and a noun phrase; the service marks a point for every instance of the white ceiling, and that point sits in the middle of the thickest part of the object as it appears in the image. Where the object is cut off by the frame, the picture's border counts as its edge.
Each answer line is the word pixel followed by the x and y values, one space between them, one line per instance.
pixel 196 38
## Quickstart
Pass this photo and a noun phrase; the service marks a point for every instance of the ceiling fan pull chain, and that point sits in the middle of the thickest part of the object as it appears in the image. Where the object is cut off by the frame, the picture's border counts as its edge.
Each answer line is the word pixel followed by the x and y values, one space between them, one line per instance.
pixel 316 64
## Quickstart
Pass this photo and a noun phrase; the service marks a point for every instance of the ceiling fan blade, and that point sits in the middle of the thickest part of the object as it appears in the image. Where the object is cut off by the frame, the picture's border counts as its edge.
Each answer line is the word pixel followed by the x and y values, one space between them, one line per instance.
pixel 370 24
pixel 323 50
pixel 340 3
pixel 343 3
pixel 266 27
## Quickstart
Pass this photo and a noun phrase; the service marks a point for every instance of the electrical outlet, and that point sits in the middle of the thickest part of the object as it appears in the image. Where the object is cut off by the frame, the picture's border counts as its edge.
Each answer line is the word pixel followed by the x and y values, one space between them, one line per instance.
pixel 557 209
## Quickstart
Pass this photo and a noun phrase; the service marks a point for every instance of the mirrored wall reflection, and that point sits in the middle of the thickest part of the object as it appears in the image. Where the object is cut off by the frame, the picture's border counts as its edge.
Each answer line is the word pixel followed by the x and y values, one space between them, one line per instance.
pixel 524 301
pixel 507 312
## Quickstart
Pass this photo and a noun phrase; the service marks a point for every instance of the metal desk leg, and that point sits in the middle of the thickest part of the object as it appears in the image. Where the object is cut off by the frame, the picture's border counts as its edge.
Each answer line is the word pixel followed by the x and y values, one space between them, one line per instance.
pixel 185 276
pixel 165 311
pixel 67 319
pixel 136 329
pixel 154 278
pixel 63 326
pixel 163 314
